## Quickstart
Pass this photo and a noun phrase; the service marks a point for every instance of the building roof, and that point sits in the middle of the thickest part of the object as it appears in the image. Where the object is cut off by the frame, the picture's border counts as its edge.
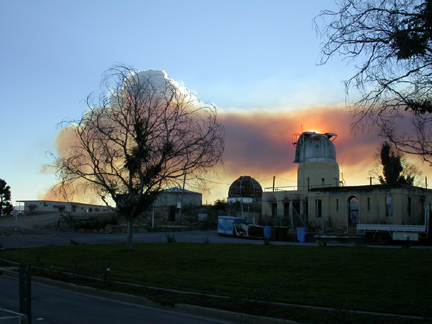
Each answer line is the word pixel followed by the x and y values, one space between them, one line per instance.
pixel 59 202
pixel 312 147
pixel 245 187
pixel 369 188
pixel 179 190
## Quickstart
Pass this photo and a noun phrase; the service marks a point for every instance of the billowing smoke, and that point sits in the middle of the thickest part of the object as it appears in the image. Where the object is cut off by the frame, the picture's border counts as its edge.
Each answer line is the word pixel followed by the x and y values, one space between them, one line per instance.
pixel 64 141
pixel 123 87
pixel 260 144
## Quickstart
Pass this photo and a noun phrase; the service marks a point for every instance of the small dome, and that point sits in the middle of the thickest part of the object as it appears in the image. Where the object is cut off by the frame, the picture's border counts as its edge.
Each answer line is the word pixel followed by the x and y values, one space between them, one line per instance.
pixel 245 187
pixel 312 147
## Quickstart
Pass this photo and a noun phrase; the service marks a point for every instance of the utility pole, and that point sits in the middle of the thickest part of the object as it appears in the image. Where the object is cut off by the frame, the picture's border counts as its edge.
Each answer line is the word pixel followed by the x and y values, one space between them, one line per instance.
pixel 241 196
pixel 181 198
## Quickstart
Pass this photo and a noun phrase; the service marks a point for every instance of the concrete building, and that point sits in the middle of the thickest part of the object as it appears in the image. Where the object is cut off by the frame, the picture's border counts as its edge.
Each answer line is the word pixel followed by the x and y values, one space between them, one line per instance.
pixel 177 196
pixel 322 203
pixel 47 206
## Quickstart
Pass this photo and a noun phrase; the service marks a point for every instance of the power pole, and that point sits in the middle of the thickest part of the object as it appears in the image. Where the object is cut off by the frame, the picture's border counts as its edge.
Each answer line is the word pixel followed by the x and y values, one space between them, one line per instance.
pixel 181 198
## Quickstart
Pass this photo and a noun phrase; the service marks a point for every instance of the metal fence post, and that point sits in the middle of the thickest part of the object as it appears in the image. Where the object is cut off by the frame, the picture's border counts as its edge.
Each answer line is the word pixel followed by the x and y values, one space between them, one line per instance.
pixel 25 290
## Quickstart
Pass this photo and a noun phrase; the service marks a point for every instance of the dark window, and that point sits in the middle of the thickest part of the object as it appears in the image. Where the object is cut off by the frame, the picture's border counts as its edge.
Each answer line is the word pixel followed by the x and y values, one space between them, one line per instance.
pixel 318 208
pixel 274 210
pixel 409 206
pixel 368 203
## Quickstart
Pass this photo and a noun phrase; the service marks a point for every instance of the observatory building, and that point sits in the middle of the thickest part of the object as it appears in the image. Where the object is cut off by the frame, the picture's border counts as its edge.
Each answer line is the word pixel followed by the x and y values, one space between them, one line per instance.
pixel 316 155
pixel 245 189
pixel 321 202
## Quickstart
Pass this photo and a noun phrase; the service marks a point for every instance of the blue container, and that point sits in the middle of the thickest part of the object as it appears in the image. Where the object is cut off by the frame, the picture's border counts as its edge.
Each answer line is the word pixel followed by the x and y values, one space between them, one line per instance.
pixel 267 232
pixel 226 224
pixel 301 234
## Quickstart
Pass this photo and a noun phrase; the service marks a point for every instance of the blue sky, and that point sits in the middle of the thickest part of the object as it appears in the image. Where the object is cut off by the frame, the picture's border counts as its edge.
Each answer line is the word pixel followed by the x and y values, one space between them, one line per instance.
pixel 246 57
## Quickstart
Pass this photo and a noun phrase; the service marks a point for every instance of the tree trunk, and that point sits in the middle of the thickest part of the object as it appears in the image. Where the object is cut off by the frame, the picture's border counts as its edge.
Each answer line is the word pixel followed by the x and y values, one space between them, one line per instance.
pixel 130 222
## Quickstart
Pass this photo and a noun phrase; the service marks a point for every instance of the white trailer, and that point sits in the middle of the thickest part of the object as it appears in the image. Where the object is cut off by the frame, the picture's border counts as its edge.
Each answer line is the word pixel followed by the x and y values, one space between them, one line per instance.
pixel 385 233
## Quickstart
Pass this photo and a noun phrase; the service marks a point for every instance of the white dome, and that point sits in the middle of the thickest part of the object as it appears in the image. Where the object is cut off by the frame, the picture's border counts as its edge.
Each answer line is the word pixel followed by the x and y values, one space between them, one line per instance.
pixel 312 147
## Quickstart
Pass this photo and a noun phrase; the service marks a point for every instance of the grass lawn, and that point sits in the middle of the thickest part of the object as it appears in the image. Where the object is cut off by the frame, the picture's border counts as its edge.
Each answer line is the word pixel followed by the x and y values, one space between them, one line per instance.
pixel 395 281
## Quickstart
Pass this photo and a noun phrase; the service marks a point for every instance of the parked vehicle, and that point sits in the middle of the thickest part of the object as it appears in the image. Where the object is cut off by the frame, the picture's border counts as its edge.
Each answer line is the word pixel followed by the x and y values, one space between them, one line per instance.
pixel 385 233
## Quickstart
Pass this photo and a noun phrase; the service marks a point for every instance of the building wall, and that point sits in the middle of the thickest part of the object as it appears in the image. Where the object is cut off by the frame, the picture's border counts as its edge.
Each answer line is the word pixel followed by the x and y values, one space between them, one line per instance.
pixel 172 198
pixel 317 174
pixel 246 200
pixel 408 205
pixel 46 206
pixel 285 208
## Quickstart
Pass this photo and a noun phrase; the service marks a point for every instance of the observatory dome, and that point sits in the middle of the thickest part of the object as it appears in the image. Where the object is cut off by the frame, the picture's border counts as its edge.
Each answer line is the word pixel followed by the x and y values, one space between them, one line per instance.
pixel 312 147
pixel 245 187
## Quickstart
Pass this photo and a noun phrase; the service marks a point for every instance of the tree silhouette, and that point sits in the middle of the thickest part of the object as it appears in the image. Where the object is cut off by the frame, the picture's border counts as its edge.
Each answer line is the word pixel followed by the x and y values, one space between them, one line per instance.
pixel 395 169
pixel 140 135
pixel 391 44
pixel 5 197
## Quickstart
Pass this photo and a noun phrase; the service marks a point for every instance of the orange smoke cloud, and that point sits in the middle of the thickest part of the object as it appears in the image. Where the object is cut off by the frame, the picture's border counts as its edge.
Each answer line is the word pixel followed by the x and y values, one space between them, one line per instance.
pixel 262 142
pixel 64 141
pixel 259 144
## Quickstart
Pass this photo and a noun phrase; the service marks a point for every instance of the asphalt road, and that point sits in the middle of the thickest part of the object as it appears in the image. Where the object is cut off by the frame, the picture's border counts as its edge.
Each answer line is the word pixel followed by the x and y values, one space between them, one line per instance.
pixel 39 237
pixel 57 306
pixel 35 237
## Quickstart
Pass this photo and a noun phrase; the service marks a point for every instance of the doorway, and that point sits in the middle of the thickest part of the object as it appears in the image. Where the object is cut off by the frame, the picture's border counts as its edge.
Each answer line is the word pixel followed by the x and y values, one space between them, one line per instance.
pixel 353 211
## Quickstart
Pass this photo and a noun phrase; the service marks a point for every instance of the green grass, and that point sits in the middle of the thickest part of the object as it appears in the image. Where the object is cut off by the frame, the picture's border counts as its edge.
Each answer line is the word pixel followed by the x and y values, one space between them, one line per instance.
pixel 396 281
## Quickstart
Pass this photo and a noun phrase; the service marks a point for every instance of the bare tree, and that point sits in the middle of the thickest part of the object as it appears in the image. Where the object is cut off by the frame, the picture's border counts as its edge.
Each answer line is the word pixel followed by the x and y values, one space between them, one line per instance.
pixel 140 135
pixel 389 42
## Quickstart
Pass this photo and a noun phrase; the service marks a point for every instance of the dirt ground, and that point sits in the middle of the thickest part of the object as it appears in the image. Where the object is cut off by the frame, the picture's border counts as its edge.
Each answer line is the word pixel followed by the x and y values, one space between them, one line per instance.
pixel 29 221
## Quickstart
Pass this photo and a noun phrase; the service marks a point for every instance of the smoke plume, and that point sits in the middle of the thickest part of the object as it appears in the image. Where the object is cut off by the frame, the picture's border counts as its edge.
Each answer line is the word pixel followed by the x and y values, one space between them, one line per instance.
pixel 260 144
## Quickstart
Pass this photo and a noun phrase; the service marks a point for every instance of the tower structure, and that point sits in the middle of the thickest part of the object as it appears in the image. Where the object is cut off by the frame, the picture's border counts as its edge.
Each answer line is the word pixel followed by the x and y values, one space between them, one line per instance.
pixel 316 155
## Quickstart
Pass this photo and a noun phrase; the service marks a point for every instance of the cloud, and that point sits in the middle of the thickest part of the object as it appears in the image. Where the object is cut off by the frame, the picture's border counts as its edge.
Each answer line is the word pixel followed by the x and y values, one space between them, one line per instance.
pixel 262 142
pixel 259 143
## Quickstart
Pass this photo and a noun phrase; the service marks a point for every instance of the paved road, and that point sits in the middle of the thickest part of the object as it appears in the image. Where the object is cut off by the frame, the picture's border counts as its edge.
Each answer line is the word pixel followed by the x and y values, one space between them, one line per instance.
pixel 45 237
pixel 58 306
pixel 39 237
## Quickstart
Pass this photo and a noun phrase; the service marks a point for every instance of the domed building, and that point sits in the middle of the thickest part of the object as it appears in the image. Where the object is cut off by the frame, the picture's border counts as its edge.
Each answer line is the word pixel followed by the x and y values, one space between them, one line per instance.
pixel 322 202
pixel 245 189
pixel 316 154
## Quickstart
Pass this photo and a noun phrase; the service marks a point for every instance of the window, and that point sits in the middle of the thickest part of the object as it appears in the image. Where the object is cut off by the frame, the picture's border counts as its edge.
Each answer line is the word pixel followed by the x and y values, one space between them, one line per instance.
pixel 409 206
pixel 318 208
pixel 337 204
pixel 368 203
pixel 389 206
pixel 274 210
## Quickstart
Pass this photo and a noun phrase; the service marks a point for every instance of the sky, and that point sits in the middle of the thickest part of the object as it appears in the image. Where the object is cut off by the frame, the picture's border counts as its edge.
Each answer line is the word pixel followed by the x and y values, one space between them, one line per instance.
pixel 256 61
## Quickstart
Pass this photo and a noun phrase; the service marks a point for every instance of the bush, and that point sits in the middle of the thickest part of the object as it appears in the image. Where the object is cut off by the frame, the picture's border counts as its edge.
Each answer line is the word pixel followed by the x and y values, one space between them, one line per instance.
pixel 91 223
